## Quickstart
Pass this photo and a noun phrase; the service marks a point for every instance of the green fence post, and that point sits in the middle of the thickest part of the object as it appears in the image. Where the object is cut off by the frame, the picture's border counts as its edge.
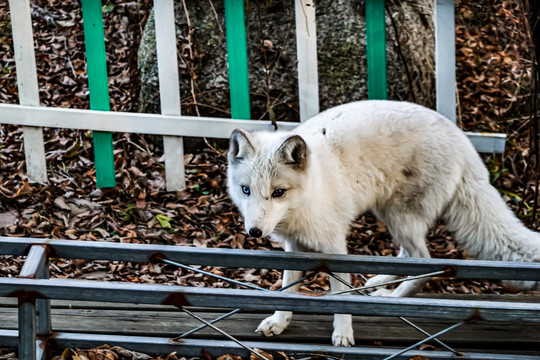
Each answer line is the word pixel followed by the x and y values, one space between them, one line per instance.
pixel 94 38
pixel 237 59
pixel 376 50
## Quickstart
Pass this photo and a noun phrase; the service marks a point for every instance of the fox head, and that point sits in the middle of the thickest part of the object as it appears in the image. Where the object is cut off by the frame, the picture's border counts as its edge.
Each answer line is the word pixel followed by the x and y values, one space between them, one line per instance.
pixel 265 175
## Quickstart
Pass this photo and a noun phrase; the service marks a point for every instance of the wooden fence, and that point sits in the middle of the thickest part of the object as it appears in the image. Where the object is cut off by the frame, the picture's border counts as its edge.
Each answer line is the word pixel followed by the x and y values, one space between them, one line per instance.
pixel 171 124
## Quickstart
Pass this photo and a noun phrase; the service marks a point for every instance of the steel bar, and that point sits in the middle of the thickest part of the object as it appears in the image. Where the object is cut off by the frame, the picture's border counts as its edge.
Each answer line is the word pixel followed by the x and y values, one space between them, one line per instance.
pixel 35 266
pixel 266 300
pixel 224 334
pixel 232 281
pixel 215 348
pixel 41 350
pixel 418 328
pixel 424 341
pixel 34 263
pixel 43 307
pixel 27 329
pixel 224 316
pixel 398 281
pixel 156 124
pixel 276 259
pixel 408 322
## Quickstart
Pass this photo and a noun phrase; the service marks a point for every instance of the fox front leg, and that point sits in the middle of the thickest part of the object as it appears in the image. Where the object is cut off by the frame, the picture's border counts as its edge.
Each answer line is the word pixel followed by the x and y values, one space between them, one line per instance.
pixel 343 334
pixel 277 323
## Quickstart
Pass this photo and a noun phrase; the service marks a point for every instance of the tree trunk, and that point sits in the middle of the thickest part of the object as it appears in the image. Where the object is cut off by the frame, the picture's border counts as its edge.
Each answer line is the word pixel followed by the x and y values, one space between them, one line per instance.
pixel 272 56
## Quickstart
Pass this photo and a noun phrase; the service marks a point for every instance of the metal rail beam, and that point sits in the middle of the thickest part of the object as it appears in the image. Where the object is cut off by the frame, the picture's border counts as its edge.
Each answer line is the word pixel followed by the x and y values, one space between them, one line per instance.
pixel 276 259
pixel 270 301
pixel 215 348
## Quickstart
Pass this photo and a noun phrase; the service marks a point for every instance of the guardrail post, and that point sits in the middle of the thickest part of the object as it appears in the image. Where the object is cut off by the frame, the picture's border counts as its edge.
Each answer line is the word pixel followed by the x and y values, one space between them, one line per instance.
pixel 33 267
pixel 43 306
pixel 27 329
pixel 94 39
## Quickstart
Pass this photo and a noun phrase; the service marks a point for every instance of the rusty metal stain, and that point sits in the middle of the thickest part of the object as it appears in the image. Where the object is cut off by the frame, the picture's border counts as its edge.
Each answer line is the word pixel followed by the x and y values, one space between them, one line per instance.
pixel 157 257
pixel 476 316
pixel 49 249
pixel 322 267
pixel 26 296
pixel 176 341
pixel 449 271
pixel 176 299
pixel 47 342
pixel 31 276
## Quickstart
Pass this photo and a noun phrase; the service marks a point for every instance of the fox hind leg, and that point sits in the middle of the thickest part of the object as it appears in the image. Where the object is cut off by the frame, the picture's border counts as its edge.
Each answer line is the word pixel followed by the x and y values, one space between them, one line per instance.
pixel 410 231
pixel 382 279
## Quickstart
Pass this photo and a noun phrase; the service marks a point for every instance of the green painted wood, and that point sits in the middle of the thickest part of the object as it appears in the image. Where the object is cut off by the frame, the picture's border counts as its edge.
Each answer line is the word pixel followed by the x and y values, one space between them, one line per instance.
pixel 94 38
pixel 237 59
pixel 376 50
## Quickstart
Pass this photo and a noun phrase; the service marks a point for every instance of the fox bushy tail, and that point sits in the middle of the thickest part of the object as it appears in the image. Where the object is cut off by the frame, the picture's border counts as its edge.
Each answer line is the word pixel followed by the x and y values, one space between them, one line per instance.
pixel 487 229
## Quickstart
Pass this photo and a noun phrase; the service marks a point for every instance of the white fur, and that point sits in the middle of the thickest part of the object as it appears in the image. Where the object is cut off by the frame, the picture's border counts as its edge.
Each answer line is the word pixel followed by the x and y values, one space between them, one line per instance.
pixel 407 164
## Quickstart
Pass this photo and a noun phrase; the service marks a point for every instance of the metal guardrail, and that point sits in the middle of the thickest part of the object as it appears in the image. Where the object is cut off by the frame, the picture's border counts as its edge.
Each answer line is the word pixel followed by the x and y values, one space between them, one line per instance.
pixel 34 292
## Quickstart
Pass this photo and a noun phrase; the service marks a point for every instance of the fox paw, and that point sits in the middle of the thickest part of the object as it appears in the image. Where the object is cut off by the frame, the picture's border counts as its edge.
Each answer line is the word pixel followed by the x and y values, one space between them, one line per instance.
pixel 343 338
pixel 273 325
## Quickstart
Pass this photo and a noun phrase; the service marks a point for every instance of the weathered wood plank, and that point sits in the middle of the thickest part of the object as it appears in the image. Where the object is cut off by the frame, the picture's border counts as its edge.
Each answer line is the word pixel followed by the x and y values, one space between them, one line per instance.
pixel 445 58
pixel 154 123
pixel 306 50
pixel 169 91
pixel 303 328
pixel 27 83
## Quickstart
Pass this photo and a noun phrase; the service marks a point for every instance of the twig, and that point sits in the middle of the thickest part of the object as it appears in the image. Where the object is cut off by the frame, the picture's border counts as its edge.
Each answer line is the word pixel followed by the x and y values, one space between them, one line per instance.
pixel 191 57
pixel 216 15
pixel 267 72
pixel 400 53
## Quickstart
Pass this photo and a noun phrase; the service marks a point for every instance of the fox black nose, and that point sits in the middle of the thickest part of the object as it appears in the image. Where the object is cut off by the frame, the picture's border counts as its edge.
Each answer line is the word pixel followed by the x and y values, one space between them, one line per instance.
pixel 255 232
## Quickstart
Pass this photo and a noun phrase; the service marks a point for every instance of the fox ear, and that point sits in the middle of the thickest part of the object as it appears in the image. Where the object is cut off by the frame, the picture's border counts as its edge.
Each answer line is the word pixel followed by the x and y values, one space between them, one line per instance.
pixel 293 152
pixel 240 146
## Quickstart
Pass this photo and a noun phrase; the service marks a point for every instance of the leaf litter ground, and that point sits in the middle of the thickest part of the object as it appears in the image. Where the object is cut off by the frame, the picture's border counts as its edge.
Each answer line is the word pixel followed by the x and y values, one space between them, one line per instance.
pixel 139 210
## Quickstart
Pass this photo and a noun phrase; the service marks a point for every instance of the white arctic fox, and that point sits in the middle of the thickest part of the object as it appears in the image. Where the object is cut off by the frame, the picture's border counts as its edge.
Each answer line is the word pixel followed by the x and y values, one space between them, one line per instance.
pixel 408 164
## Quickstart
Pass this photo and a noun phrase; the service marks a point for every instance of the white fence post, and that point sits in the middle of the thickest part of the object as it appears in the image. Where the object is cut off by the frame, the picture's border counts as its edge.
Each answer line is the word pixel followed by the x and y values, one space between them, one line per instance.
pixel 169 90
pixel 445 58
pixel 306 50
pixel 25 60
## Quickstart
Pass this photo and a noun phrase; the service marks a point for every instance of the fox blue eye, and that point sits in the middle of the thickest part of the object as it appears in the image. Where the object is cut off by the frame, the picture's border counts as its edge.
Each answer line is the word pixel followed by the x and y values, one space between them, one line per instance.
pixel 245 190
